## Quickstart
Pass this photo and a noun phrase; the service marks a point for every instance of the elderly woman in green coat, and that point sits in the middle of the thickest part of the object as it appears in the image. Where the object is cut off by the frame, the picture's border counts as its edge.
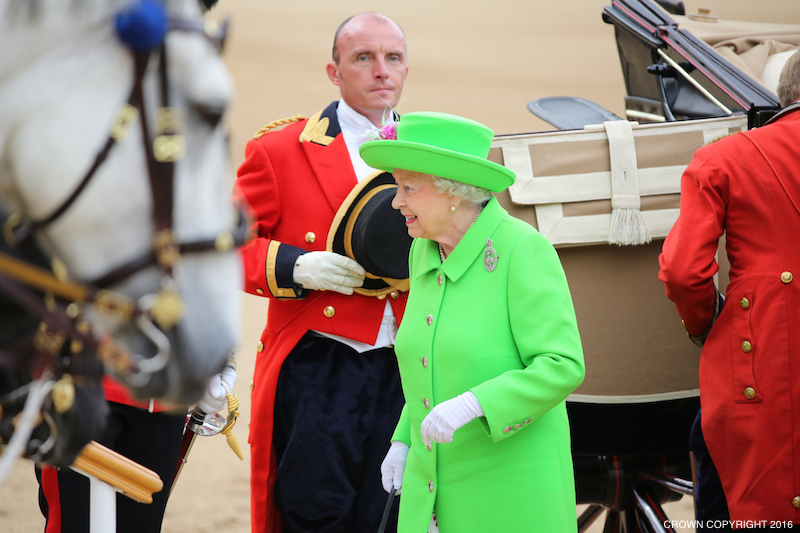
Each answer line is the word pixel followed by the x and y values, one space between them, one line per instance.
pixel 489 346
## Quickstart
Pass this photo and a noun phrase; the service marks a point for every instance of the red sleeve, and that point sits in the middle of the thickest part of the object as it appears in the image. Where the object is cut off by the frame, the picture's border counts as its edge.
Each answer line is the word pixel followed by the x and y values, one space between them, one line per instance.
pixel 268 263
pixel 687 260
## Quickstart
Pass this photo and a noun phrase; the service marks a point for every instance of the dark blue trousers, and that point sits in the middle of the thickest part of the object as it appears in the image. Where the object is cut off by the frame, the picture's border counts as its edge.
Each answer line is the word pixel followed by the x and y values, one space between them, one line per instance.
pixel 335 412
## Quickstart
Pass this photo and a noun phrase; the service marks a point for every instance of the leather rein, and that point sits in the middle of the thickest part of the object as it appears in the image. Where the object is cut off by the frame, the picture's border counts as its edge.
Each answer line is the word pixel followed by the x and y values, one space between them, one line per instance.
pixel 25 282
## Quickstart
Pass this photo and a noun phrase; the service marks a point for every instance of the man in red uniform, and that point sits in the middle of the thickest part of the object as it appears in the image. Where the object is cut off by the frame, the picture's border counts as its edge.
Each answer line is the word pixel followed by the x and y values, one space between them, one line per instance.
pixel 747 442
pixel 325 392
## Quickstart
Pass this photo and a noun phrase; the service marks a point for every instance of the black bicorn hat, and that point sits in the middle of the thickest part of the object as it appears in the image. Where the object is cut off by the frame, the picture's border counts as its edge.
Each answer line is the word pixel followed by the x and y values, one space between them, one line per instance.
pixel 370 231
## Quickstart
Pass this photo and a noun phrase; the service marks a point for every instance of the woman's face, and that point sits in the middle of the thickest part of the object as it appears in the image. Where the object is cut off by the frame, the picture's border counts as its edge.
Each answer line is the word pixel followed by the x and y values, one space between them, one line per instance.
pixel 427 212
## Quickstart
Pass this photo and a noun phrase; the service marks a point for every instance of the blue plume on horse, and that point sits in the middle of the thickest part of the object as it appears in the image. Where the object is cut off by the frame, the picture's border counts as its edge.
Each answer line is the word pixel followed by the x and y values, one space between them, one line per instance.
pixel 142 25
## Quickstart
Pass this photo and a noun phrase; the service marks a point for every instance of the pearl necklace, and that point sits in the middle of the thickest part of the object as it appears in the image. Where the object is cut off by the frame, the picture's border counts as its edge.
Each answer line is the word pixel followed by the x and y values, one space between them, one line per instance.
pixel 441 252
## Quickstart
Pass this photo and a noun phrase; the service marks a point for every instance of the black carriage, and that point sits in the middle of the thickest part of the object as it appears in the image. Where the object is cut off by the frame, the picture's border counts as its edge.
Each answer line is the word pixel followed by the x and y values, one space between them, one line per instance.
pixel 680 66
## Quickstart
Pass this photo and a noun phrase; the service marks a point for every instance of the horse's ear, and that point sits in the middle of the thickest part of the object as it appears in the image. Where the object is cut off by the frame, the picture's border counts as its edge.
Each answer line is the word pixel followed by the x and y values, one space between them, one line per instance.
pixel 206 5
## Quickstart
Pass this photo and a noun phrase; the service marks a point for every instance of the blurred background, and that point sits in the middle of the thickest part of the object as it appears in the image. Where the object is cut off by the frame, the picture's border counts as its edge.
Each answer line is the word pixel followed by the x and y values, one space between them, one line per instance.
pixel 481 60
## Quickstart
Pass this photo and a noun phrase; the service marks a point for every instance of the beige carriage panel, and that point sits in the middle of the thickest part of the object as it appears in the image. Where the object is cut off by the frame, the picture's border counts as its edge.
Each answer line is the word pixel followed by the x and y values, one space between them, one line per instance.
pixel 568 177
pixel 759 49
pixel 635 347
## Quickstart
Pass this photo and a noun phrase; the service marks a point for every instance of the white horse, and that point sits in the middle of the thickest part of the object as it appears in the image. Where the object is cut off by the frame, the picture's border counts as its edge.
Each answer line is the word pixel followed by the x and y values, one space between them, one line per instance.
pixel 64 77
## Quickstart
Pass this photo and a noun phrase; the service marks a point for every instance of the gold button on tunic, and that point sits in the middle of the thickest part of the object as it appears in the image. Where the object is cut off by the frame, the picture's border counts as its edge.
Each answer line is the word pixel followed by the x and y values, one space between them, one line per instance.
pixel 329 311
pixel 749 393
pixel 745 303
pixel 746 346
pixel 260 346
pixel 310 237
pixel 786 277
pixel 796 502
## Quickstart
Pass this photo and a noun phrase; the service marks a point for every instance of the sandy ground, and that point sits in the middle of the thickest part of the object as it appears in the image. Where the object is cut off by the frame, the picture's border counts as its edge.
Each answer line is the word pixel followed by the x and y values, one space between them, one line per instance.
pixel 483 60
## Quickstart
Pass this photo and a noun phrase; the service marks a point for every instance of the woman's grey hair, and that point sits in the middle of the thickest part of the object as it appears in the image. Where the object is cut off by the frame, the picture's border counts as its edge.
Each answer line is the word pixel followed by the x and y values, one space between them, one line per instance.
pixel 468 193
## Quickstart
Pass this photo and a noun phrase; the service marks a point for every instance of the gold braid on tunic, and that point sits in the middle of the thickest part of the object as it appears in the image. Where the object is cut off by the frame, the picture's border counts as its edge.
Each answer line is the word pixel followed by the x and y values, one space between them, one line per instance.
pixel 276 123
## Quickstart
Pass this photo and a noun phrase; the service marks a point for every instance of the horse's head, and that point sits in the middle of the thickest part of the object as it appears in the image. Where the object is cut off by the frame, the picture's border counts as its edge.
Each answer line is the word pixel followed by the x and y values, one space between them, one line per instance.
pixel 133 198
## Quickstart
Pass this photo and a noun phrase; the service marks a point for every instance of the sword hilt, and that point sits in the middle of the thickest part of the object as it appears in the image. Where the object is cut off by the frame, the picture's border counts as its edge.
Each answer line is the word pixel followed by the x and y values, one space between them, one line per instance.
pixel 196 419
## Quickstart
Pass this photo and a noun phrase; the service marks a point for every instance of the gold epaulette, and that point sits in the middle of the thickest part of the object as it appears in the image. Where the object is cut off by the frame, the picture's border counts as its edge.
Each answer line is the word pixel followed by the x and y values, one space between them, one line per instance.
pixel 276 123
pixel 712 141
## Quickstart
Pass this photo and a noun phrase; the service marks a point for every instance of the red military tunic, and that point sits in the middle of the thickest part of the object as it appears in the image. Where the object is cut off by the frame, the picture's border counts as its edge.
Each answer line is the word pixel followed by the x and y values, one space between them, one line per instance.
pixel 748 186
pixel 294 180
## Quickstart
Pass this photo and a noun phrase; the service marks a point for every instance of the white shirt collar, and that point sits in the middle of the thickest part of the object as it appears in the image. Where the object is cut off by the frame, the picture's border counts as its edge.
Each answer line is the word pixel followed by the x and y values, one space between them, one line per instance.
pixel 350 119
pixel 357 129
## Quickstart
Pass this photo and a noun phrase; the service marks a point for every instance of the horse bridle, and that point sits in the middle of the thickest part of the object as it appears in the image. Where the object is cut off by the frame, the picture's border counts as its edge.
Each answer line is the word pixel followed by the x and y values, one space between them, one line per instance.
pixel 165 307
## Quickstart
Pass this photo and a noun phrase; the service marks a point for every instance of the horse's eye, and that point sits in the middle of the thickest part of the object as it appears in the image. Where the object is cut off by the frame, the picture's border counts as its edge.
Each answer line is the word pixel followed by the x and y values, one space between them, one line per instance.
pixel 211 114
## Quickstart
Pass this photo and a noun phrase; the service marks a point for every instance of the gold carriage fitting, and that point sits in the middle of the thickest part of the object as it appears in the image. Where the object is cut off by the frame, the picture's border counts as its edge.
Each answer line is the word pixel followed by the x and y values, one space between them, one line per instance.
pixel 368 230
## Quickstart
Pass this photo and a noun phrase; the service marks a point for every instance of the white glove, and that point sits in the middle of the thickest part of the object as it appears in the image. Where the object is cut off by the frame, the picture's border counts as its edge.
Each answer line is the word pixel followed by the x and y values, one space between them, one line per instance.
pixel 393 466
pixel 447 417
pixel 216 396
pixel 328 271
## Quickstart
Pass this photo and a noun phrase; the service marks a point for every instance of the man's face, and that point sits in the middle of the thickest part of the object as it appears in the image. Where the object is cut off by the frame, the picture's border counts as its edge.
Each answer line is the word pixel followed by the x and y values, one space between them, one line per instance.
pixel 372 65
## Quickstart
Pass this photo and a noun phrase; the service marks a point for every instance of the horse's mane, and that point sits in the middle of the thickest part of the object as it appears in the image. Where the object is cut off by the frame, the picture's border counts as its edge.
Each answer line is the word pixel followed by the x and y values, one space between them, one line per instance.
pixel 31 11
pixel 34 11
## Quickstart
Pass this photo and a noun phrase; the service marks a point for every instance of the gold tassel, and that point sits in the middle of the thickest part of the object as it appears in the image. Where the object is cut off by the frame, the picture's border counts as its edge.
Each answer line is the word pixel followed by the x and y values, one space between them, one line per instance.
pixel 227 430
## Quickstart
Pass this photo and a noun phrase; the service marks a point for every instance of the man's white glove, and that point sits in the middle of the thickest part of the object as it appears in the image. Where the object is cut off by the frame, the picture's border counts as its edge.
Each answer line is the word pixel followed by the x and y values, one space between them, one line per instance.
pixel 328 271
pixel 393 466
pixel 216 396
pixel 447 417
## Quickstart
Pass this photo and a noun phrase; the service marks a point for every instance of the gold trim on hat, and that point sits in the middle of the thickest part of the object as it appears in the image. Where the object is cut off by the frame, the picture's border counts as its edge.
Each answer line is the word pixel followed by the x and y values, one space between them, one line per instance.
pixel 393 284
pixel 348 229
pixel 345 205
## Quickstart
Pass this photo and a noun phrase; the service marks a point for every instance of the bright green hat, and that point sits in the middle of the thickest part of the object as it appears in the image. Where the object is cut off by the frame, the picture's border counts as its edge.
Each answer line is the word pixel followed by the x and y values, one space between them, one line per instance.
pixel 444 145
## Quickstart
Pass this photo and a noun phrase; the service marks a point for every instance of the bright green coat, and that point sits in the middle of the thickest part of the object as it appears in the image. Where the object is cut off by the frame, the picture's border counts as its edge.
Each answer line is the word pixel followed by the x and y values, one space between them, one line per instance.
pixel 509 336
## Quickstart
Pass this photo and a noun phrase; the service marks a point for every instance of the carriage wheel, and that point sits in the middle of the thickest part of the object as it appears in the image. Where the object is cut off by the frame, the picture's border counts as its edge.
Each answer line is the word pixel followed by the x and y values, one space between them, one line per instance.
pixel 631 489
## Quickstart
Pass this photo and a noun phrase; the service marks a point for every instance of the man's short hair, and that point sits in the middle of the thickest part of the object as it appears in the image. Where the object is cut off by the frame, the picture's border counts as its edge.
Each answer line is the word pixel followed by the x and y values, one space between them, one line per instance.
pixel 335 53
pixel 336 38
pixel 789 83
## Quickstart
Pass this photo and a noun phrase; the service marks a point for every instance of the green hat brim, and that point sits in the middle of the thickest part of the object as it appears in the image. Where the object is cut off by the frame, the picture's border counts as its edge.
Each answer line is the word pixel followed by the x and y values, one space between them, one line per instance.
pixel 417 157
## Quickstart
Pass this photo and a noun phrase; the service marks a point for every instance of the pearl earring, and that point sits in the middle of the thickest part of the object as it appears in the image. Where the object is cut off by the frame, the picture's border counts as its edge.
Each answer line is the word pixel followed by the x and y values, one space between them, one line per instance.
pixel 452 208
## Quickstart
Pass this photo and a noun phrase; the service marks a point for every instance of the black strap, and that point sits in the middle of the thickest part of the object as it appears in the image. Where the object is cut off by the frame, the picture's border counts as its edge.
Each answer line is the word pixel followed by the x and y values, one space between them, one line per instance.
pixel 98 160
